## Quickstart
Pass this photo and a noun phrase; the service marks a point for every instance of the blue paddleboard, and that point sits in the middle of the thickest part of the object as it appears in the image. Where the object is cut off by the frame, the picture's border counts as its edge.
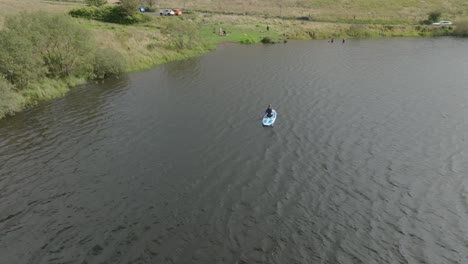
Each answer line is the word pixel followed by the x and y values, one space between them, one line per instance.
pixel 269 121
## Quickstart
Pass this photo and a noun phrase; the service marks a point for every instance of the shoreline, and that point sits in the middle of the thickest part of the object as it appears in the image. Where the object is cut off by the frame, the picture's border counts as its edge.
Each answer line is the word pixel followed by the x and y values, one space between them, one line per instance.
pixel 144 46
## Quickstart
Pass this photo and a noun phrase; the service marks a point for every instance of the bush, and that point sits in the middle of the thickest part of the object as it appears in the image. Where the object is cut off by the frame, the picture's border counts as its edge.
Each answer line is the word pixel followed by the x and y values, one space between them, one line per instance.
pixel 108 62
pixel 10 101
pixel 87 12
pixel 304 18
pixel 135 18
pixel 183 33
pixel 246 40
pixel 442 31
pixel 434 16
pixel 461 29
pixel 110 14
pixel 39 45
pixel 149 9
pixel 35 45
pixel 129 7
pixel 66 47
pixel 267 40
pixel 20 61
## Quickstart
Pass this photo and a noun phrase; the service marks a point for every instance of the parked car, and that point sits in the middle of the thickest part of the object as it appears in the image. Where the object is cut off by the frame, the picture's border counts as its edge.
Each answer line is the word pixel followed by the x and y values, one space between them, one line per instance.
pixel 166 12
pixel 177 12
pixel 442 23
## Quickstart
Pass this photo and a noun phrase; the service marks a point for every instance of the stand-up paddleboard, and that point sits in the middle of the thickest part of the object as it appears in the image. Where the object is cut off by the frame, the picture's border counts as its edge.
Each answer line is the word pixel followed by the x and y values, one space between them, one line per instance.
pixel 269 121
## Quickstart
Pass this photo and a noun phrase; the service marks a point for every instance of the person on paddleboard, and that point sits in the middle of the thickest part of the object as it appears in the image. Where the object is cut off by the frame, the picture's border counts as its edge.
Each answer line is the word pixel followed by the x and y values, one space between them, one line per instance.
pixel 268 111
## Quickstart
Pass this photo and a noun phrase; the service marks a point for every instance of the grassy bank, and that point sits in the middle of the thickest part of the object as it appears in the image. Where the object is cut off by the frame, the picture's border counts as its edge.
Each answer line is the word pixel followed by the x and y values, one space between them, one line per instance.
pixel 165 39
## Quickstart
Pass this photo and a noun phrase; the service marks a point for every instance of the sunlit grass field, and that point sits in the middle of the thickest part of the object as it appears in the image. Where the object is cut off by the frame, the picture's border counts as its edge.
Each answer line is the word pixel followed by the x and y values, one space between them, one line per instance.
pixel 9 7
pixel 388 11
pixel 332 10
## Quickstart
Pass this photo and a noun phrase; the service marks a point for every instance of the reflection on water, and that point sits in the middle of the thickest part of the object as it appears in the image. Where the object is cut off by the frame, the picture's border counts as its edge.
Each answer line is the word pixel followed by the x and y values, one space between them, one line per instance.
pixel 364 165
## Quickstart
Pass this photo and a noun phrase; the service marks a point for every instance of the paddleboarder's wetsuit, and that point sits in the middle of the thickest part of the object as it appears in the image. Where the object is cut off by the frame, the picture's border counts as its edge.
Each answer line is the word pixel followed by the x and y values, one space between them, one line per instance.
pixel 268 112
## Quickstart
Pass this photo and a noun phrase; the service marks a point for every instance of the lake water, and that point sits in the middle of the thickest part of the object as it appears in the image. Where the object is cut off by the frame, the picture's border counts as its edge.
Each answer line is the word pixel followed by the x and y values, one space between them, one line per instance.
pixel 366 163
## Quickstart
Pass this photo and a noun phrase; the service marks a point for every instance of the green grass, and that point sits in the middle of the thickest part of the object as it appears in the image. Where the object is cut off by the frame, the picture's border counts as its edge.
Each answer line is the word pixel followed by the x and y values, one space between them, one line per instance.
pixel 13 101
pixel 235 33
pixel 49 89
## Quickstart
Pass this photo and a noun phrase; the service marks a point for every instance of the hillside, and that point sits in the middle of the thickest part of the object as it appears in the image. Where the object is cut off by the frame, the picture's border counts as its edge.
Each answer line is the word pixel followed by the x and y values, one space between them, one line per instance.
pixel 399 11
pixel 404 10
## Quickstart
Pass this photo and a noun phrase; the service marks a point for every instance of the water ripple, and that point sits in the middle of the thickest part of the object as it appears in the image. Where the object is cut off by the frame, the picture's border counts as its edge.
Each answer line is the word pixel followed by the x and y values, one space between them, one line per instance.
pixel 365 164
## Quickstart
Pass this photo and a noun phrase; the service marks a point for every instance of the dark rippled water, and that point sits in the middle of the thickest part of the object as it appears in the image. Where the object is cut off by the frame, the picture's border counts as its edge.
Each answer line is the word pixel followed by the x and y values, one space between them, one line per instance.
pixel 367 162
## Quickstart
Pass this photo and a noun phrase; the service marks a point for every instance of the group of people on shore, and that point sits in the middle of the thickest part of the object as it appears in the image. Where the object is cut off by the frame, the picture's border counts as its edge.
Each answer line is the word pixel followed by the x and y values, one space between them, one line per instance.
pixel 224 33
pixel 331 41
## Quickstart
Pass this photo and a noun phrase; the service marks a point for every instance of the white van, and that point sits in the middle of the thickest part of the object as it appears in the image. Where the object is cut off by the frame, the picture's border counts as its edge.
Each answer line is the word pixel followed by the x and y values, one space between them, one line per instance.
pixel 166 12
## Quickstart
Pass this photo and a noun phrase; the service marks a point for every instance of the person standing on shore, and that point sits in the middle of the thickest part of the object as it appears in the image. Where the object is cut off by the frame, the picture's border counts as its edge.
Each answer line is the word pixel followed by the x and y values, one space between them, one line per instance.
pixel 343 41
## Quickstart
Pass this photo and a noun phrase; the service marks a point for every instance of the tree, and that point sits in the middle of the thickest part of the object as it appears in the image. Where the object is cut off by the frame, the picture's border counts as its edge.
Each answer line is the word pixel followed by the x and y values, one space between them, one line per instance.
pixel 129 7
pixel 96 2
pixel 434 16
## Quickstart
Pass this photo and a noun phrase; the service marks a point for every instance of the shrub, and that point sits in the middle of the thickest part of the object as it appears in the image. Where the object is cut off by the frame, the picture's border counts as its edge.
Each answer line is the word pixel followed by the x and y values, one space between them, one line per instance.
pixel 57 42
pixel 10 101
pixel 304 18
pixel 246 40
pixel 425 22
pixel 35 45
pixel 266 40
pixel 183 33
pixel 110 14
pixel 38 45
pixel 434 16
pixel 461 29
pixel 20 60
pixel 150 8
pixel 66 47
pixel 108 62
pixel 86 12
pixel 129 7
pixel 135 18
pixel 442 31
